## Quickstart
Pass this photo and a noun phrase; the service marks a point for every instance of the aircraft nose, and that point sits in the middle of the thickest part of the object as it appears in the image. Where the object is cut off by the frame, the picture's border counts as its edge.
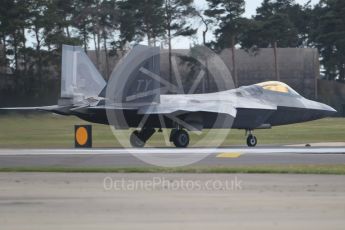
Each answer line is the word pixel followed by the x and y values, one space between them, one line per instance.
pixel 327 110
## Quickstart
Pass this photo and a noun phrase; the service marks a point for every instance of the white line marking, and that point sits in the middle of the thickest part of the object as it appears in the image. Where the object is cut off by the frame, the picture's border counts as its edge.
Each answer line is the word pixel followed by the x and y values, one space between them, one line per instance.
pixel 153 151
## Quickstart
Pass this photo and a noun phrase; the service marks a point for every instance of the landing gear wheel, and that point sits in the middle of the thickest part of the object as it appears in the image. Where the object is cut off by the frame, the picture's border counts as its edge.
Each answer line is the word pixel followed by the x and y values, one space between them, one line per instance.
pixel 252 141
pixel 180 138
pixel 136 141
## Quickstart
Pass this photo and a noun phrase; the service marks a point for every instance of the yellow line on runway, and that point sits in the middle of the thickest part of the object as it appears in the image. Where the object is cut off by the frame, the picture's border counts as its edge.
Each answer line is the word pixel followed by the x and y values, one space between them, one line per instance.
pixel 229 155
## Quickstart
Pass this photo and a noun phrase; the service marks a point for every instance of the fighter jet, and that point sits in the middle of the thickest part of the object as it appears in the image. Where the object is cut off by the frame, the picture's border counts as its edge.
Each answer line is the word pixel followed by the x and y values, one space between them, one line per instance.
pixel 133 102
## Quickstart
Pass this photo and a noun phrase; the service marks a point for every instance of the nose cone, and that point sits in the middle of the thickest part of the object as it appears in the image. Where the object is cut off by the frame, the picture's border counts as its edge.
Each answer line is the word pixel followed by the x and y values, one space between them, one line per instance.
pixel 328 110
pixel 323 110
pixel 319 110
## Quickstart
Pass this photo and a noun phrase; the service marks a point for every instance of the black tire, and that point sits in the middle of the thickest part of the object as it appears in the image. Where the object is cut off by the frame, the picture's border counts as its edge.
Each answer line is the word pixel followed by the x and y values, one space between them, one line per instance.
pixel 136 141
pixel 252 141
pixel 181 139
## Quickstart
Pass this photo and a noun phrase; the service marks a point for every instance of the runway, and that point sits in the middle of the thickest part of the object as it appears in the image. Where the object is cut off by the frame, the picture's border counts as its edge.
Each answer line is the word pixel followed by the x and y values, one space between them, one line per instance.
pixel 209 157
pixel 170 201
pixel 76 201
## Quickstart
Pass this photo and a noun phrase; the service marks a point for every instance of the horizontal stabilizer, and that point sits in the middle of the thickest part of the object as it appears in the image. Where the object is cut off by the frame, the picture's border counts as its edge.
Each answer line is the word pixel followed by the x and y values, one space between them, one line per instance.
pixel 64 110
pixel 43 108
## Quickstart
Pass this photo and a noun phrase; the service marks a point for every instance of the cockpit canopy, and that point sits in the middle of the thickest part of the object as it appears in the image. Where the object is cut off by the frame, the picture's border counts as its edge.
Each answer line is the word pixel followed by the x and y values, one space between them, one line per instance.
pixel 278 87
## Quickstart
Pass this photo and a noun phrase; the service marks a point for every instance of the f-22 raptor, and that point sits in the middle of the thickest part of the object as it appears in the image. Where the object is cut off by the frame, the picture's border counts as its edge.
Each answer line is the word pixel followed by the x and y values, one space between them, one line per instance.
pixel 85 94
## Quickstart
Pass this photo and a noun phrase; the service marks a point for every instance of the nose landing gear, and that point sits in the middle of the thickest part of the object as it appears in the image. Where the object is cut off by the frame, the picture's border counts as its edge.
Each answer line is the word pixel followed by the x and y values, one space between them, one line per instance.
pixel 251 139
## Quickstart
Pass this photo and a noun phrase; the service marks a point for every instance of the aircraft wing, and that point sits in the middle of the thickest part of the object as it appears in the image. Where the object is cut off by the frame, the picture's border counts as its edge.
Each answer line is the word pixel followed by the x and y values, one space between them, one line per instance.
pixel 53 109
pixel 226 108
pixel 43 108
pixel 190 106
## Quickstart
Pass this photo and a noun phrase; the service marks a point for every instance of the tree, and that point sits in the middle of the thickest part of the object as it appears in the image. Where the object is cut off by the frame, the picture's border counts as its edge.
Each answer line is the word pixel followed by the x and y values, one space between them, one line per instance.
pixel 206 21
pixel 128 22
pixel 82 20
pixel 281 21
pixel 99 20
pixel 150 15
pixel 50 23
pixel 108 24
pixel 276 24
pixel 4 28
pixel 229 15
pixel 328 35
pixel 58 25
pixel 141 19
pixel 176 23
pixel 13 23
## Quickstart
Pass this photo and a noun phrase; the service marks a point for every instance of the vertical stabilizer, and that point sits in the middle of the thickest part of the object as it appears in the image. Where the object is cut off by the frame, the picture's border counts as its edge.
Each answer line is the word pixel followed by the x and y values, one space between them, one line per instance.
pixel 79 77
pixel 135 81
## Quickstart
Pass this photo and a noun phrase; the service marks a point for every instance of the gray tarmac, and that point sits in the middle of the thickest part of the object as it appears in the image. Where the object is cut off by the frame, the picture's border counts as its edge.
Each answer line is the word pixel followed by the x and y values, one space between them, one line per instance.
pixel 35 201
pixel 133 157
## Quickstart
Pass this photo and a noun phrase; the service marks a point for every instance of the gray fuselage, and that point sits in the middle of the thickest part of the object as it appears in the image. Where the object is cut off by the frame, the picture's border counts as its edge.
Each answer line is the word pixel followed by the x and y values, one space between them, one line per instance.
pixel 256 108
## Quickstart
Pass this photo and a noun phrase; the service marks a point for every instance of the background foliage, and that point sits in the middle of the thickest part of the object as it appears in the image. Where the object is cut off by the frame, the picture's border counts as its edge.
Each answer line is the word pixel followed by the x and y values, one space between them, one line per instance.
pixel 33 31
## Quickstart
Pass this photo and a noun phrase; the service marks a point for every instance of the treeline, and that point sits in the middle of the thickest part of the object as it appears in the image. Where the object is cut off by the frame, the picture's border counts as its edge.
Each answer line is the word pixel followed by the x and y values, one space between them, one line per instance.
pixel 32 31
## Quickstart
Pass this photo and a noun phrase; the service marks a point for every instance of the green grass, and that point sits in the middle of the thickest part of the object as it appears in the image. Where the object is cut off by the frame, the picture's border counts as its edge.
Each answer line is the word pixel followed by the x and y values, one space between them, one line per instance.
pixel 277 169
pixel 54 131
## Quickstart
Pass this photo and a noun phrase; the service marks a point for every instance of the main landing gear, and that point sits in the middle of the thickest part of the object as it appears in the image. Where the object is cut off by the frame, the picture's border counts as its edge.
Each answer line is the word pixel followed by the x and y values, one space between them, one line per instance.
pixel 179 137
pixel 138 139
pixel 252 141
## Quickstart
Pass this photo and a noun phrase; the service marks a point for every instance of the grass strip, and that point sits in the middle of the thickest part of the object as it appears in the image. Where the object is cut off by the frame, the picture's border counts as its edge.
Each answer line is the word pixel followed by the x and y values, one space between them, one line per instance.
pixel 276 169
